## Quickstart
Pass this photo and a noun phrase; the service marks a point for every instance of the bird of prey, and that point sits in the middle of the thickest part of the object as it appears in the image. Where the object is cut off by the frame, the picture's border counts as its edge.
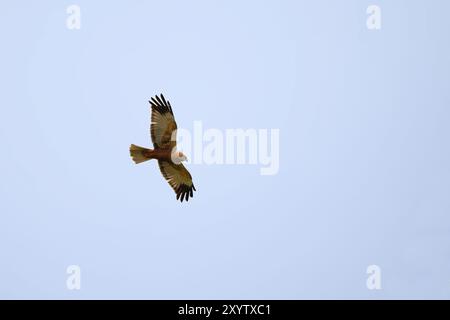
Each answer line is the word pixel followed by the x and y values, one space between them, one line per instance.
pixel 163 133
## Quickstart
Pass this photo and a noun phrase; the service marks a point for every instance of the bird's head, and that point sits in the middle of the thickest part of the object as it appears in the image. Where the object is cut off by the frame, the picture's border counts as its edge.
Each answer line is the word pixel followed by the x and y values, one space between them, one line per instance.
pixel 178 157
pixel 181 156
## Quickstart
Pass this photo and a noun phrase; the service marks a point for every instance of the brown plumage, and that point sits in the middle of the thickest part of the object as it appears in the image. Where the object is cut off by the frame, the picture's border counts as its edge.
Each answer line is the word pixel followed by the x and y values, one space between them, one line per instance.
pixel 163 133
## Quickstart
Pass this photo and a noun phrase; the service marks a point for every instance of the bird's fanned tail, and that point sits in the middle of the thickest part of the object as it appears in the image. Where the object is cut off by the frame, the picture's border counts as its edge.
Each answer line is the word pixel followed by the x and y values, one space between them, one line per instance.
pixel 139 154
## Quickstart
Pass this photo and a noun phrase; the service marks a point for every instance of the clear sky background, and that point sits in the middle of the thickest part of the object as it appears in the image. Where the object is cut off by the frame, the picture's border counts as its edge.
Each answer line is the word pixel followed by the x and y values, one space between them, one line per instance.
pixel 364 149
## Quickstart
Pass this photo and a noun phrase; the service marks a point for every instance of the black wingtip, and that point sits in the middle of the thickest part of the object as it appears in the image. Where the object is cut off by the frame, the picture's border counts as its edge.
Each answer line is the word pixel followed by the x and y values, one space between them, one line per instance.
pixel 161 104
pixel 184 192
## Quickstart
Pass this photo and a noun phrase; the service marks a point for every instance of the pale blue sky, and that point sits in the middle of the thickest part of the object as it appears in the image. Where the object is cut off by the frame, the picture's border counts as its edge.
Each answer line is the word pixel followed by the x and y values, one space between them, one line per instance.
pixel 364 157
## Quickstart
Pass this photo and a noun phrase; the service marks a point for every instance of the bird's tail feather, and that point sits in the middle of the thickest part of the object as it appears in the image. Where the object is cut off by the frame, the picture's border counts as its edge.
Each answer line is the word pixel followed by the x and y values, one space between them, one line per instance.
pixel 139 154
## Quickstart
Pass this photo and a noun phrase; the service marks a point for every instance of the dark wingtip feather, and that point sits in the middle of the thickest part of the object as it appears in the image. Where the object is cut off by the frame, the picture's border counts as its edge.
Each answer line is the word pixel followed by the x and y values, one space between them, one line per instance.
pixel 161 104
pixel 184 192
pixel 159 101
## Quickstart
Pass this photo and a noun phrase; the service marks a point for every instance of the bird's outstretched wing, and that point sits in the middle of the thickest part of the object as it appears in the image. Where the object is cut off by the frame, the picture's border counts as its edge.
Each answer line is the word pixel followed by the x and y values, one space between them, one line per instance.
pixel 179 179
pixel 162 123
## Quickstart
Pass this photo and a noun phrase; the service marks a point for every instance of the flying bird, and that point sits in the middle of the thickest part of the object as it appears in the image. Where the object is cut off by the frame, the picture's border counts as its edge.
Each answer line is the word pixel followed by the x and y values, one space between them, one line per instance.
pixel 163 133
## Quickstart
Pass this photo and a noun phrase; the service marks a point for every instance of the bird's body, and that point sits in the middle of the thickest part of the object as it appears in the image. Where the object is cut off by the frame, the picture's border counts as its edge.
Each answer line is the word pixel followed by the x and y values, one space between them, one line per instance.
pixel 140 154
pixel 163 133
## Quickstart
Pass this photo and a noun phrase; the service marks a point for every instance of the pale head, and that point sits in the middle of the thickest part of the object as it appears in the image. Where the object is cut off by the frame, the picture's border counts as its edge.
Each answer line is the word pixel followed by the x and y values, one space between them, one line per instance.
pixel 178 157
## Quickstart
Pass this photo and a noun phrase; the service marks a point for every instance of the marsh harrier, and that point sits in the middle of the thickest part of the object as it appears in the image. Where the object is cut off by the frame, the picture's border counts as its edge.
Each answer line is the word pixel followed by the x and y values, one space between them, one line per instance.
pixel 163 132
